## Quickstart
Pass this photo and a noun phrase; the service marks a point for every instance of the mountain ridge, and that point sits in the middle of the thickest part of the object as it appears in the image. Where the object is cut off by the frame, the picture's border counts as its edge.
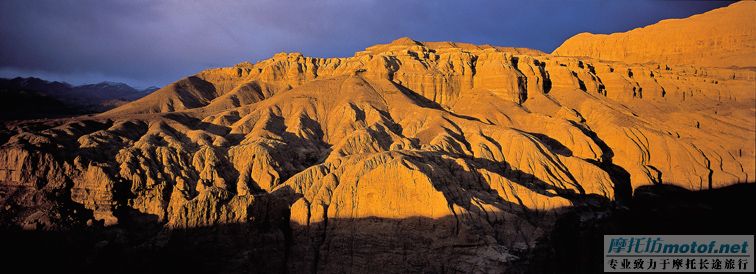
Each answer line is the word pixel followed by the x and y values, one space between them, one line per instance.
pixel 240 101
pixel 63 99
pixel 722 37
pixel 472 152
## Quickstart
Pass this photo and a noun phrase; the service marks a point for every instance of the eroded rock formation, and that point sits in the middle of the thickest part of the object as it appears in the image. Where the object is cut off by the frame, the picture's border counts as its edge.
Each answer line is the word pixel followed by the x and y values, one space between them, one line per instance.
pixel 464 150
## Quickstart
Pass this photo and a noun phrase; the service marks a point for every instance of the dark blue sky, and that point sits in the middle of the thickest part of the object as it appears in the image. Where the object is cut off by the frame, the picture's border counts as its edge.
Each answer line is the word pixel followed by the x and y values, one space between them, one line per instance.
pixel 156 42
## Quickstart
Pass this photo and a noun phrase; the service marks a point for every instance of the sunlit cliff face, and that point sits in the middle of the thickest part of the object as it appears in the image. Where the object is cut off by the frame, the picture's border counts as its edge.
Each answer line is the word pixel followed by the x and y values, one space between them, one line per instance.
pixel 719 38
pixel 478 138
pixel 387 132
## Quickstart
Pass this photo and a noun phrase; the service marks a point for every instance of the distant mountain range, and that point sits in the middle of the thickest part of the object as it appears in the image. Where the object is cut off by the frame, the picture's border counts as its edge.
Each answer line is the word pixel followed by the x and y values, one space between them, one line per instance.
pixel 32 98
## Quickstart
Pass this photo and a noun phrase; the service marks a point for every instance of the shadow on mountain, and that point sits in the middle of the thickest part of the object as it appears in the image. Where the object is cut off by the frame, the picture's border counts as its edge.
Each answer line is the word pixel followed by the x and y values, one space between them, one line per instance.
pixel 427 103
pixel 269 243
pixel 357 246
pixel 34 98
pixel 575 244
pixel 24 105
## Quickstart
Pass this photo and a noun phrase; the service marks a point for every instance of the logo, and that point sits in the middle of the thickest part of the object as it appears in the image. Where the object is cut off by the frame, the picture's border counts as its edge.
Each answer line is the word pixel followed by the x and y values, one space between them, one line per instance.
pixel 678 253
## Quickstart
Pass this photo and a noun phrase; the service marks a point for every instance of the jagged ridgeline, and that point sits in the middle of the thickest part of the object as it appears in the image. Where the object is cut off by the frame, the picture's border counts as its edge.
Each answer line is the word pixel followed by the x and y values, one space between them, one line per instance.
pixel 465 149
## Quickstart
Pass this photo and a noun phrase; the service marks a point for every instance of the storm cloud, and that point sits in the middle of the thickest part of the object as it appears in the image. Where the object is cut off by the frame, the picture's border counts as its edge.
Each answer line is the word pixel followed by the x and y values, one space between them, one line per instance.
pixel 156 42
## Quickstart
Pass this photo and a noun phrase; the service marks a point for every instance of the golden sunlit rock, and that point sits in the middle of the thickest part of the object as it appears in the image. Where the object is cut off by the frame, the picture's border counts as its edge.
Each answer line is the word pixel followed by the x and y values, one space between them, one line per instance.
pixel 459 144
pixel 723 37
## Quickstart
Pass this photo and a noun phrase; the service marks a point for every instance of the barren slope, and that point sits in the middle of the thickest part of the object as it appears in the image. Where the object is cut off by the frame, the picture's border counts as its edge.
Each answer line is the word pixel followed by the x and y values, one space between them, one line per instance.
pixel 456 147
pixel 724 37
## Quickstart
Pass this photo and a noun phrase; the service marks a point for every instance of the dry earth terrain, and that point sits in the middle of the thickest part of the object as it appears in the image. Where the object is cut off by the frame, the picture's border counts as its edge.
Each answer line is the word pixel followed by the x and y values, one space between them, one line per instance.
pixel 407 157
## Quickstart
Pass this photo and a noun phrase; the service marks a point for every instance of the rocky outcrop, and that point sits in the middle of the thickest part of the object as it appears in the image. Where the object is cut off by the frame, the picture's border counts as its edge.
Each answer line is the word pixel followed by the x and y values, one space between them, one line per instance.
pixel 466 150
